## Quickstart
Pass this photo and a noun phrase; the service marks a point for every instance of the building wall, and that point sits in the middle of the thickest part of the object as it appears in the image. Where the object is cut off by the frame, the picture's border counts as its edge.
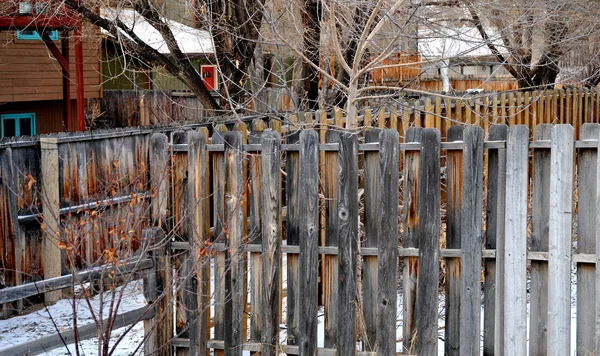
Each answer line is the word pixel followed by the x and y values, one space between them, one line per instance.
pixel 49 113
pixel 29 72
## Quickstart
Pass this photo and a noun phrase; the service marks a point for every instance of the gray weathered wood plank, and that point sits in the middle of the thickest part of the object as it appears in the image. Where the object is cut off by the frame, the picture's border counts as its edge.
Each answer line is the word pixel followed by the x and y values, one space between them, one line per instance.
pixel 426 312
pixel 471 241
pixel 494 229
pixel 369 264
pixel 387 221
pixel 271 241
pixel 218 197
pixel 559 240
pixel 539 243
pixel 454 203
pixel 348 242
pixel 411 240
pixel 234 261
pixel 332 232
pixel 586 242
pixel 514 261
pixel 51 255
pixel 309 234
pixel 292 186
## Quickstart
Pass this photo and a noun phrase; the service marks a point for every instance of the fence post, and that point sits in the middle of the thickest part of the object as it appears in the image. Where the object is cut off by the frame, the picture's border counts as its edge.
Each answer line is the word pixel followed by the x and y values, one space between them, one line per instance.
pixel 157 290
pixel 271 241
pixel 514 254
pixel 493 233
pixel 387 242
pixel 309 240
pixel 539 243
pixel 348 240
pixel 426 312
pixel 559 241
pixel 234 261
pixel 471 227
pixel 51 256
pixel 586 241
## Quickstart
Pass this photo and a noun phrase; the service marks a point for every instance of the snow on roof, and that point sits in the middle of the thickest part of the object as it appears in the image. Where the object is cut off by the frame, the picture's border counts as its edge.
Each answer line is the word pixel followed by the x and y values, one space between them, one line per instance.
pixel 456 42
pixel 189 39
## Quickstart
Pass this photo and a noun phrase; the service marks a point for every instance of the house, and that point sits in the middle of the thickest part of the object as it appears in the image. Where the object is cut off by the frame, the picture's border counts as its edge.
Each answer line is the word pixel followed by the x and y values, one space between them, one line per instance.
pixel 122 71
pixel 457 58
pixel 49 66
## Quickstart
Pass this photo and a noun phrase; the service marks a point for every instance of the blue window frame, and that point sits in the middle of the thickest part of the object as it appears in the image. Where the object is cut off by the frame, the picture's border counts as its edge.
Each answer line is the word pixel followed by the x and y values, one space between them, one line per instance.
pixel 34 35
pixel 17 124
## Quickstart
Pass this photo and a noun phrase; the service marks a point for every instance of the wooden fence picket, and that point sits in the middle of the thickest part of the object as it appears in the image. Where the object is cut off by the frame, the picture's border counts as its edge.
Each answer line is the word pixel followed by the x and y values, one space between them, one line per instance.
pixel 429 221
pixel 471 228
pixel 492 300
pixel 308 217
pixel 348 242
pixel 271 242
pixel 234 257
pixel 539 243
pixel 369 263
pixel 514 254
pixel 387 221
pixel 330 262
pixel 454 203
pixel 559 245
pixel 411 238
pixel 586 241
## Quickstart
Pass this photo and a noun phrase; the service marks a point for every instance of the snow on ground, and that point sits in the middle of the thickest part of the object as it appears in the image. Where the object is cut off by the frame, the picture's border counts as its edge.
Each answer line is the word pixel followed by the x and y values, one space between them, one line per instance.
pixel 35 325
pixel 38 324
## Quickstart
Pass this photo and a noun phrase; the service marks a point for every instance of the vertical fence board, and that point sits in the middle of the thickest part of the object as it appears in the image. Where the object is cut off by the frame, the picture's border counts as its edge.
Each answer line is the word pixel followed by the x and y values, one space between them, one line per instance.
pixel 348 242
pixel 426 312
pixel 514 260
pixel 471 228
pixel 387 242
pixel 369 265
pixel 255 236
pixel 271 241
pixel 309 233
pixel 494 232
pixel 195 220
pixel 586 241
pixel 411 239
pixel 559 241
pixel 51 257
pixel 293 238
pixel 454 188
pixel 539 242
pixel 218 194
pixel 330 275
pixel 234 261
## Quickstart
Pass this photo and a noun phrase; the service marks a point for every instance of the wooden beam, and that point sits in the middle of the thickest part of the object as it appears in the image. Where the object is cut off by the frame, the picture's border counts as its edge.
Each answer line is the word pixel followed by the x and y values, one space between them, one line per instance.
pixel 38 21
pixel 79 73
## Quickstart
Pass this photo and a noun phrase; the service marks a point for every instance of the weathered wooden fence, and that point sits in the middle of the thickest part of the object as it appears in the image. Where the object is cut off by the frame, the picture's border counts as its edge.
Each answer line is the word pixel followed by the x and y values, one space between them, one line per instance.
pixel 233 230
pixel 346 200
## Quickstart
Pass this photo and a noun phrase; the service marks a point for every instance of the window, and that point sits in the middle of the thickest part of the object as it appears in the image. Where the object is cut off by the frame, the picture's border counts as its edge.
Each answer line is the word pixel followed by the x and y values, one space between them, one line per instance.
pixel 17 125
pixel 34 35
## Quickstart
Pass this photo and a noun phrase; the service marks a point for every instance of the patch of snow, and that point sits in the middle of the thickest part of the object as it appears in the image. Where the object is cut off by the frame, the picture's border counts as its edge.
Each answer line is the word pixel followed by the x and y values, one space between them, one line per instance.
pixel 44 322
